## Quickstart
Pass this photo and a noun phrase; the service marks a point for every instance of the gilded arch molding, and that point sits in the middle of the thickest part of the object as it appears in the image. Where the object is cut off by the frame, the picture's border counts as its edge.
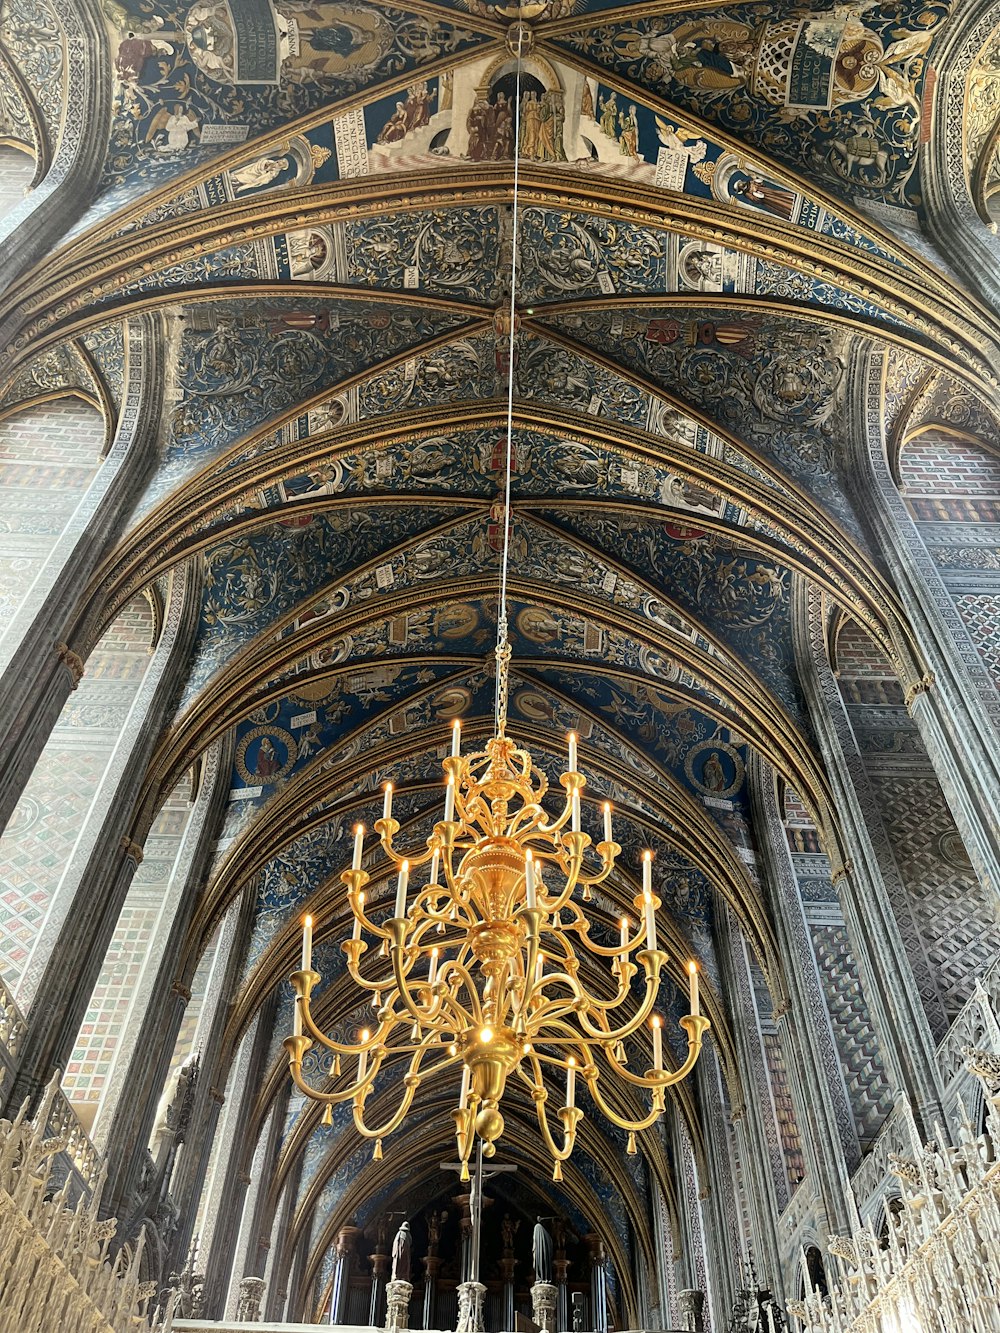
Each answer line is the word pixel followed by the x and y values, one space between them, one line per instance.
pixel 939 310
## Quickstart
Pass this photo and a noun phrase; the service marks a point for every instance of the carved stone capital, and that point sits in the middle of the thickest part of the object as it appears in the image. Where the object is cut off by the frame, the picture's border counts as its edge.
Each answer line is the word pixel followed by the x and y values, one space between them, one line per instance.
pixel 217 1095
pixel 782 1008
pixel 917 688
pixel 842 871
pixel 73 662
pixel 178 988
pixel 132 850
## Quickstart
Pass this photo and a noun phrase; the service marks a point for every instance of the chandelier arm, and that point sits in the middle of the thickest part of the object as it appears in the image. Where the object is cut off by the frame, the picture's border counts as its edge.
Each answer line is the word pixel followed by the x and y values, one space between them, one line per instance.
pixel 387 829
pixel 411 1082
pixel 631 1125
pixel 341 1048
pixel 653 961
pixel 296 1048
pixel 458 969
pixel 569 1115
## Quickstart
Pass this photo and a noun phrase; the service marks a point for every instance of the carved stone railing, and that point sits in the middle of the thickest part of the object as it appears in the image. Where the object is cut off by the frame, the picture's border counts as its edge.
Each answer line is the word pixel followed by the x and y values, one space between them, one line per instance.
pixel 56 1272
pixel 978 1025
pixel 935 1266
pixel 11 1032
pixel 79 1158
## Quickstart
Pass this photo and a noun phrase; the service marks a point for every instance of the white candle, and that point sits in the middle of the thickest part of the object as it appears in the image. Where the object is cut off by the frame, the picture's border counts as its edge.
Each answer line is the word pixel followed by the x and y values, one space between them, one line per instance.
pixel 607 821
pixel 307 944
pixel 624 932
pixel 297 1018
pixel 401 886
pixel 529 879
pixel 571 739
pixel 456 738
pixel 449 800
pixel 575 812
pixel 693 973
pixel 359 840
pixel 539 966
pixel 363 1056
pixel 570 1081
pixel 433 971
pixel 650 915
pixel 647 872
pixel 657 1042
pixel 387 803
pixel 463 1096
pixel 435 864
pixel 356 933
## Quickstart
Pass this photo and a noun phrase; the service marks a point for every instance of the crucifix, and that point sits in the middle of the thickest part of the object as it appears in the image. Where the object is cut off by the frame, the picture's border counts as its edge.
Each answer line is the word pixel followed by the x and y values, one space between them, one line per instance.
pixel 471 1273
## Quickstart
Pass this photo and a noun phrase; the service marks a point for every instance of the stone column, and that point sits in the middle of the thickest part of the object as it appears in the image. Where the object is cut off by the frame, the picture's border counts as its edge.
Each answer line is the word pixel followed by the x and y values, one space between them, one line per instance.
pixel 471 1300
pixel 823 1111
pixel 254 1181
pixel 956 707
pixel 692 1308
pixel 397 1313
pixel 230 1199
pixel 278 1260
pixel 755 1123
pixel 544 1298
pixel 43 646
pixel 69 951
pixel 344 1249
pixel 380 1274
pixel 598 1283
pixel 869 883
pixel 135 1083
pixel 560 1269
pixel 432 1267
pixel 196 1175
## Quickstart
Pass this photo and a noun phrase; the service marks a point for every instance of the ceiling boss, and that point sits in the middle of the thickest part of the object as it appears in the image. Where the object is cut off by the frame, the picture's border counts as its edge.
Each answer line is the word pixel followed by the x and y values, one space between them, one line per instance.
pixel 486 969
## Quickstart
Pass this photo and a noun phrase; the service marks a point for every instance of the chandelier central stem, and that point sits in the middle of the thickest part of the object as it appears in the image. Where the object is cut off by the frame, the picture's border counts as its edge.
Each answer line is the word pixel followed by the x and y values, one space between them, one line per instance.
pixel 502 643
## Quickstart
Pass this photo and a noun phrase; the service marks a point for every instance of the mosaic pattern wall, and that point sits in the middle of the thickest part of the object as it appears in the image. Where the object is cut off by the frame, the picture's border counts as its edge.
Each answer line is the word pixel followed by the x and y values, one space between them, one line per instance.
pixel 17 170
pixel 947 924
pixel 48 456
pixel 36 846
pixel 129 952
pixel 952 489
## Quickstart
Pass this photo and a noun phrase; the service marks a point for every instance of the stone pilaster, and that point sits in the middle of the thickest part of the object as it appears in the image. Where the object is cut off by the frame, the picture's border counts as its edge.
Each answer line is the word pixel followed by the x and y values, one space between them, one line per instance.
pixel 254 1181
pixel 870 884
pixel 279 1259
pixel 69 951
pixel 43 647
pixel 234 1175
pixel 194 1176
pixel 954 703
pixel 142 1061
pixel 823 1111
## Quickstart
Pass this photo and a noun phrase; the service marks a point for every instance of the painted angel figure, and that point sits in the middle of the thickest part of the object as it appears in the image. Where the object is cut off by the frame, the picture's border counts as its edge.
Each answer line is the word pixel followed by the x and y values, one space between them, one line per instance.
pixel 255 175
pixel 177 124
pixel 680 141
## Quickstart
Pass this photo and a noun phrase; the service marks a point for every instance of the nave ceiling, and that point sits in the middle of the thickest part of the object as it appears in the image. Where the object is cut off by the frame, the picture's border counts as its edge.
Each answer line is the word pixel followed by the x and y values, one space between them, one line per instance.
pixel 310 237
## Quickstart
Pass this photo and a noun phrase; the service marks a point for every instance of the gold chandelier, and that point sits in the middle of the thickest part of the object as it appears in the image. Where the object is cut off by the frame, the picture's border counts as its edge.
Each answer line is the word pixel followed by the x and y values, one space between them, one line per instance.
pixel 481 967
pixel 485 959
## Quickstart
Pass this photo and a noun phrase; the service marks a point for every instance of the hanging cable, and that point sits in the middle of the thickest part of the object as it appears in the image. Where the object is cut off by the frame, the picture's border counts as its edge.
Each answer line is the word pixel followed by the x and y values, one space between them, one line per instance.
pixel 502 647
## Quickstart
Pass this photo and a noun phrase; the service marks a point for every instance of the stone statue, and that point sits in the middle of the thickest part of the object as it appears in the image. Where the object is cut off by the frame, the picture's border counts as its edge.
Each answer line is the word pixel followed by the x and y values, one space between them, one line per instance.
pixel 508 1230
pixel 402 1247
pixel 541 1252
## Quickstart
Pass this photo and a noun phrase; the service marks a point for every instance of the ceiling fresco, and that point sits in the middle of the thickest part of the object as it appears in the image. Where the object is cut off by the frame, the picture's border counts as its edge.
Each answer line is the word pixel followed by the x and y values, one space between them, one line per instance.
pixel 305 222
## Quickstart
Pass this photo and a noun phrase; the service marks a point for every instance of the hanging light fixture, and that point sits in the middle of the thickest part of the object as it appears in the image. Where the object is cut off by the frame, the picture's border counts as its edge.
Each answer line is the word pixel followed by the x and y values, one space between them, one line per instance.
pixel 481 967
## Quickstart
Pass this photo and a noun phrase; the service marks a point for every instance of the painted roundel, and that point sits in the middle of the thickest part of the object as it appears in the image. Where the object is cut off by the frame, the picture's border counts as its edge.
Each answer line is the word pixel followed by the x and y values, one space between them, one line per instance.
pixel 265 755
pixel 715 768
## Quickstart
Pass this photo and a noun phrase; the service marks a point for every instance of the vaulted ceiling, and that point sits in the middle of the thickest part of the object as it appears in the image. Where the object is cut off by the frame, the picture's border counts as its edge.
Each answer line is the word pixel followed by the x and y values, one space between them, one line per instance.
pixel 306 209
